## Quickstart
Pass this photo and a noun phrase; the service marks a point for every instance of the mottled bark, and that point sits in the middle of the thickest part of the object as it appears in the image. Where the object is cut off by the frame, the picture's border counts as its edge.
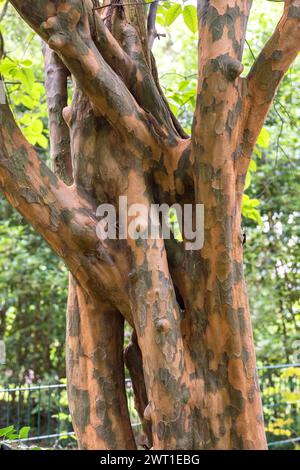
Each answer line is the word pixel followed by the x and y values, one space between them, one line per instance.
pixel 134 363
pixel 225 371
pixel 151 21
pixel 56 84
pixel 95 373
pixel 192 358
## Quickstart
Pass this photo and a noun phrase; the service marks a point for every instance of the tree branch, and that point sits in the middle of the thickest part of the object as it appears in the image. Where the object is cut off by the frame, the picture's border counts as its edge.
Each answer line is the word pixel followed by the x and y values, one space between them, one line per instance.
pixel 130 64
pixel 63 215
pixel 222 31
pixel 64 26
pixel 135 12
pixel 134 363
pixel 269 69
pixel 4 10
pixel 151 20
pixel 56 78
pixel 95 373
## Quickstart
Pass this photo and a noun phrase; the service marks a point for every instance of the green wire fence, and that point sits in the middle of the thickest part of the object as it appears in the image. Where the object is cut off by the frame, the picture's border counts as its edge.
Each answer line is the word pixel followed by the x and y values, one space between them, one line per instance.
pixel 44 408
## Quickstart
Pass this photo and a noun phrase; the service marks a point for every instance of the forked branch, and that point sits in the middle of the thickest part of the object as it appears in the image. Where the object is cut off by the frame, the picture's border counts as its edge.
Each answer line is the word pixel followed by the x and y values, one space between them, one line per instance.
pixel 65 27
pixel 63 215
pixel 269 69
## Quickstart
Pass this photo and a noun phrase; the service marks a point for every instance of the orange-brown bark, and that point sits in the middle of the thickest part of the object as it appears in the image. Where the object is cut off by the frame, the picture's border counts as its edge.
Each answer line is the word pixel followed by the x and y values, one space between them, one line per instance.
pixel 56 83
pixel 95 373
pixel 192 358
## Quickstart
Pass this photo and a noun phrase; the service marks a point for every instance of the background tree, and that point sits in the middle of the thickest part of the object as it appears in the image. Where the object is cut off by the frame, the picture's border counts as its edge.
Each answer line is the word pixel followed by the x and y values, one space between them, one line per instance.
pixel 198 360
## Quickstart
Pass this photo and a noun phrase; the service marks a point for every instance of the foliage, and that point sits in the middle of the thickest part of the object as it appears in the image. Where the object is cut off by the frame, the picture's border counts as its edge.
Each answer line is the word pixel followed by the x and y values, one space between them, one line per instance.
pixel 31 277
pixel 31 322
pixel 281 398
pixel 10 434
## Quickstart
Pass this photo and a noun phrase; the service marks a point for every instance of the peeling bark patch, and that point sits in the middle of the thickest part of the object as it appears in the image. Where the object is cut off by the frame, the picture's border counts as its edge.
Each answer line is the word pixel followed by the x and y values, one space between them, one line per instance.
pixel 266 77
pixel 16 166
pixel 167 380
pixel 237 441
pixel 208 173
pixel 29 195
pixel 104 431
pixel 223 292
pixel 218 22
pixel 47 173
pixel 203 435
pixel 294 12
pixel 242 321
pixel 232 318
pixel 74 322
pixel 230 67
pixel 223 266
pixel 234 115
pixel 80 407
pixel 237 272
pixel 276 55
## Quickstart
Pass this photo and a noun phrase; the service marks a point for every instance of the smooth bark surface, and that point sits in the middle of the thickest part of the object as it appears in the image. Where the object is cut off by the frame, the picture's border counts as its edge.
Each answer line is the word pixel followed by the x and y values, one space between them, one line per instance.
pixel 192 357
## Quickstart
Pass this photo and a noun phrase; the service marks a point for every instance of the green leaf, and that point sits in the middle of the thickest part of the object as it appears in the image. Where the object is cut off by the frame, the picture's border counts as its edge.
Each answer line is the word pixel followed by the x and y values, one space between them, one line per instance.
pixel 42 141
pixel 248 180
pixel 5 431
pixel 252 166
pixel 37 126
pixel 11 435
pixel 254 202
pixel 190 17
pixel 26 63
pixel 246 199
pixel 249 211
pixel 172 13
pixel 264 138
pixel 23 434
pixel 27 101
pixel 257 152
pixel 182 85
pixel 7 66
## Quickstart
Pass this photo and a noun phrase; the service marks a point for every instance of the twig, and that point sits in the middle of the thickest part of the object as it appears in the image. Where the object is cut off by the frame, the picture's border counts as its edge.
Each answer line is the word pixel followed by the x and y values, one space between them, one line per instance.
pixel 4 11
pixel 151 29
pixel 124 4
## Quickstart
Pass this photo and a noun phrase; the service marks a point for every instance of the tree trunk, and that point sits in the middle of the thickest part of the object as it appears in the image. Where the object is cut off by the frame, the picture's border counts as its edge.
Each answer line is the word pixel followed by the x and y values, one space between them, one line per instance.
pixel 192 358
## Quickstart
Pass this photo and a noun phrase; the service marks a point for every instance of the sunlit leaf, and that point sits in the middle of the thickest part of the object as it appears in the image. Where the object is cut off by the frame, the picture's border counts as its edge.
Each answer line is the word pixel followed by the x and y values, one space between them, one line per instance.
pixel 264 138
pixel 190 17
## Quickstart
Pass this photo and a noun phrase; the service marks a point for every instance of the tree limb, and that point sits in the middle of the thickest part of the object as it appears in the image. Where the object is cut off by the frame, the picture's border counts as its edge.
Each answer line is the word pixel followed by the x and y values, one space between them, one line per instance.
pixel 63 215
pixel 64 26
pixel 56 78
pixel 151 20
pixel 95 373
pixel 222 31
pixel 134 363
pixel 4 10
pixel 269 69
pixel 130 64
pixel 135 12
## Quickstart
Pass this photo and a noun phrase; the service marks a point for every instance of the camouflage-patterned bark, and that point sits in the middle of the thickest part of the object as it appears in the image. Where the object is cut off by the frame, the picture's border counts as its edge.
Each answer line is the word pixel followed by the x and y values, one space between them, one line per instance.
pixel 192 358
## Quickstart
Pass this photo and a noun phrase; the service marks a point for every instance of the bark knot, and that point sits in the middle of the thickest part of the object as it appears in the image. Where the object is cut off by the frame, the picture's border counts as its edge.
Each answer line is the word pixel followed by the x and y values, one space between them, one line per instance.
pixel 163 325
pixel 230 67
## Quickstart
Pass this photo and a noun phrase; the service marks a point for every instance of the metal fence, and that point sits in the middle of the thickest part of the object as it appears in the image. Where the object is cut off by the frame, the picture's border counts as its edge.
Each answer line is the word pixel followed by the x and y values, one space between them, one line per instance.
pixel 280 386
pixel 44 408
